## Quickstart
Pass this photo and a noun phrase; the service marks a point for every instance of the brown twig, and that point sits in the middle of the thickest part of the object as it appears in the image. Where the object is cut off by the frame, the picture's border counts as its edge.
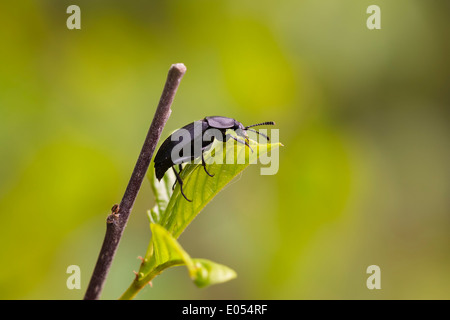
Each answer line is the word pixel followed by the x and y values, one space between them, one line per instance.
pixel 118 218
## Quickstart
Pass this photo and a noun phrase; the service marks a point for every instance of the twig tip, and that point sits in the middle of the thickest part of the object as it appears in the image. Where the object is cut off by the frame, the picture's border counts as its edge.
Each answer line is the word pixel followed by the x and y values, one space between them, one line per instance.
pixel 179 66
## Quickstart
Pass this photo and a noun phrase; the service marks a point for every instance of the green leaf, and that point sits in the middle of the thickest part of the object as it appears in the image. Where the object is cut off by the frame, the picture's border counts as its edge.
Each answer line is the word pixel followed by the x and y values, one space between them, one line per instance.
pixel 162 191
pixel 208 273
pixel 201 188
pixel 168 252
pixel 166 248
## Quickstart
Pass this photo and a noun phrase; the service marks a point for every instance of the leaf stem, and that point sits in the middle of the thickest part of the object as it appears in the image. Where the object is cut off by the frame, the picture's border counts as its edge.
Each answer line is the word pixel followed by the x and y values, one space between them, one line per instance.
pixel 139 283
pixel 117 221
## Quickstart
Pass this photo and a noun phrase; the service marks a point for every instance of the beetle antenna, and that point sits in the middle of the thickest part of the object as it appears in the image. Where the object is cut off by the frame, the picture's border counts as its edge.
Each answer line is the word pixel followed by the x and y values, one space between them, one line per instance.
pixel 262 134
pixel 271 123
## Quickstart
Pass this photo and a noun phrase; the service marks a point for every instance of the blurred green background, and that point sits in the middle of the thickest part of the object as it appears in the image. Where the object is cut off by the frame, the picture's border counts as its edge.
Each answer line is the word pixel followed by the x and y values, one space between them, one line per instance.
pixel 364 174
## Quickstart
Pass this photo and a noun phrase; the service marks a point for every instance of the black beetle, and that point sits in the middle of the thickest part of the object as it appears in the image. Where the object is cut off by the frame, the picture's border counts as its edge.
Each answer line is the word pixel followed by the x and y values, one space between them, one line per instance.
pixel 163 159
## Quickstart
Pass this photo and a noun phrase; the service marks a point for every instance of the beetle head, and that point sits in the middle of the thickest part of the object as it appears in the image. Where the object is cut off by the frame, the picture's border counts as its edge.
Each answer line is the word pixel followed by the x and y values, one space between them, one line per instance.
pixel 240 130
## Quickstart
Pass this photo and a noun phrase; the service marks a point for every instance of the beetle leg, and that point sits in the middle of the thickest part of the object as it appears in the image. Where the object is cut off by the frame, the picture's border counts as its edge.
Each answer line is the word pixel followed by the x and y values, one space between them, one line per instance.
pixel 175 182
pixel 181 183
pixel 204 166
pixel 180 167
pixel 239 140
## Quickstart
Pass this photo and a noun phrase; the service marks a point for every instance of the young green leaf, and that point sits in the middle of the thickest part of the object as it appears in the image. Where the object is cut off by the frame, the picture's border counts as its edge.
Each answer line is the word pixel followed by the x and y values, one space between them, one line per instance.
pixel 208 273
pixel 162 191
pixel 167 251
